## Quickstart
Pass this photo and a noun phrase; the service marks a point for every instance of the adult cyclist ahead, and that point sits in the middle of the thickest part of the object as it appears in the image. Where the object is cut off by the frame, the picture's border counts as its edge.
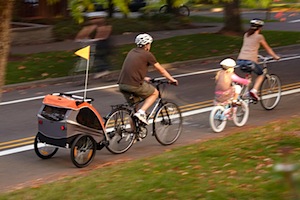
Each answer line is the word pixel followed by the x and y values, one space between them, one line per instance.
pixel 133 79
pixel 249 52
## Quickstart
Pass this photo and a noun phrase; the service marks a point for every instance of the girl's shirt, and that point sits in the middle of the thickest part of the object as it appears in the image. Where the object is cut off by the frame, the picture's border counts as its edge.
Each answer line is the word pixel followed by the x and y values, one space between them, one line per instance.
pixel 251 44
pixel 225 79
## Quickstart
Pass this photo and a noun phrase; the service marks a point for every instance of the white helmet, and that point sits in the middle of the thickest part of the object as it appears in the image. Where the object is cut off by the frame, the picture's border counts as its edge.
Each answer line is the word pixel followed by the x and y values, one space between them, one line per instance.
pixel 228 63
pixel 143 39
pixel 257 22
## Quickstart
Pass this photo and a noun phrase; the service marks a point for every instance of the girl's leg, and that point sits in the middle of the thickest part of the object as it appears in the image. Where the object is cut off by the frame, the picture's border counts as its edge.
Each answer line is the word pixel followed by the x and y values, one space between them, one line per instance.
pixel 258 82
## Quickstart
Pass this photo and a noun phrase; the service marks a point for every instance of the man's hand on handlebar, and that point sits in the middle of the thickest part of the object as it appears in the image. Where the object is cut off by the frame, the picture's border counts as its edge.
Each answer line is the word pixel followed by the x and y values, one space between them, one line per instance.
pixel 147 79
pixel 277 58
pixel 174 82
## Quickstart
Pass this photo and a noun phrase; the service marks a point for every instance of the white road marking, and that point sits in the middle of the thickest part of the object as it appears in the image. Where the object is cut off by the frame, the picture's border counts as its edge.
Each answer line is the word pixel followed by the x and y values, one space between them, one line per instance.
pixel 294 21
pixel 184 114
pixel 115 85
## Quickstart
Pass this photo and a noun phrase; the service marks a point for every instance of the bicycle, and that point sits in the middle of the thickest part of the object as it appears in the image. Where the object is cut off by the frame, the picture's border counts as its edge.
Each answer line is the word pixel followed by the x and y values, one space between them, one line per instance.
pixel 123 129
pixel 270 89
pixel 182 10
pixel 223 112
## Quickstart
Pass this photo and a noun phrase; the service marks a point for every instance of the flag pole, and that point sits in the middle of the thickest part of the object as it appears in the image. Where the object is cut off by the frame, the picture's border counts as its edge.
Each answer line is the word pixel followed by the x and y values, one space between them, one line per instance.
pixel 86 78
pixel 85 53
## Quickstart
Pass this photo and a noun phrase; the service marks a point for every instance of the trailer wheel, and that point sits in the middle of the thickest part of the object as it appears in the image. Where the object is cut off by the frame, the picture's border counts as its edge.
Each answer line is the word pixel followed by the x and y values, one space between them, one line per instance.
pixel 83 150
pixel 43 150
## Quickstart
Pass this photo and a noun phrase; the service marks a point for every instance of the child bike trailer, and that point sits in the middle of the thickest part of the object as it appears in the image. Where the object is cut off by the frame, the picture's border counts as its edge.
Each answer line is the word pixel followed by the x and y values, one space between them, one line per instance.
pixel 69 121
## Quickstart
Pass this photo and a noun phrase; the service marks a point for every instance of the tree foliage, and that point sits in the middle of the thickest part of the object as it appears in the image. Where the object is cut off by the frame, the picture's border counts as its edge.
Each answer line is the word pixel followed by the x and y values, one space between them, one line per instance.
pixel 258 4
pixel 79 7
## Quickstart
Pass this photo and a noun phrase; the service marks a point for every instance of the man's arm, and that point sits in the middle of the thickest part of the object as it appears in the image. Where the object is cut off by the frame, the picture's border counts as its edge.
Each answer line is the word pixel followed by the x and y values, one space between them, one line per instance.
pixel 165 73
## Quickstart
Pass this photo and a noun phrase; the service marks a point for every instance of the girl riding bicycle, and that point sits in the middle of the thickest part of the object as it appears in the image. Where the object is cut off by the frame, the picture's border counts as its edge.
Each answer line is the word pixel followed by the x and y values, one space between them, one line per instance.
pixel 225 90
pixel 247 58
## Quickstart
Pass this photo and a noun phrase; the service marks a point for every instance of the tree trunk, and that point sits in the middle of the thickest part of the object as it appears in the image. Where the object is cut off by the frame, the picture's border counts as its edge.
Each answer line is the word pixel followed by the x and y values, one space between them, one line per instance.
pixel 111 8
pixel 5 16
pixel 170 6
pixel 232 18
pixel 43 9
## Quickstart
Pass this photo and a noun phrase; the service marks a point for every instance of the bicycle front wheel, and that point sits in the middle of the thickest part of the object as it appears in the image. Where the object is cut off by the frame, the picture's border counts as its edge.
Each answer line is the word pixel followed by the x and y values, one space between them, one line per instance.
pixel 241 115
pixel 217 119
pixel 184 11
pixel 120 128
pixel 167 123
pixel 270 92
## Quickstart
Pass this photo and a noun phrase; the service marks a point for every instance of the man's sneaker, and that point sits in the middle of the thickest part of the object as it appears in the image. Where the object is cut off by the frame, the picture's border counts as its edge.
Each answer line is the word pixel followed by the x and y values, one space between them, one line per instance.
pixel 100 74
pixel 254 95
pixel 141 117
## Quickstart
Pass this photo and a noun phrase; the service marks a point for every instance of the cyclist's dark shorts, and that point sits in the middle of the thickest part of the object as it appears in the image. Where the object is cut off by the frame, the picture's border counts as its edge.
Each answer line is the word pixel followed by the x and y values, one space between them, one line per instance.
pixel 141 92
pixel 249 66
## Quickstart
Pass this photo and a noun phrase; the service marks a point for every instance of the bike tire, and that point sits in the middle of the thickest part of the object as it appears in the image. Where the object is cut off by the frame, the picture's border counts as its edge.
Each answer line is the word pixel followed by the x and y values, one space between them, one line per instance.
pixel 167 123
pixel 184 11
pixel 83 150
pixel 163 9
pixel 217 120
pixel 270 92
pixel 241 115
pixel 43 150
pixel 120 129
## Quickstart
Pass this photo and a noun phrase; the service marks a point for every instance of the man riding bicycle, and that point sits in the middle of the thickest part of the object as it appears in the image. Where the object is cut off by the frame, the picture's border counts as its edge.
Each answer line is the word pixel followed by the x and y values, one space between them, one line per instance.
pixel 133 79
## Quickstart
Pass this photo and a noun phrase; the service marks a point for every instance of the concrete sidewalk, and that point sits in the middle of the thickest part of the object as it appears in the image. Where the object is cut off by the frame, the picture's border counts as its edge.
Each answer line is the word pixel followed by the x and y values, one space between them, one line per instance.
pixel 126 38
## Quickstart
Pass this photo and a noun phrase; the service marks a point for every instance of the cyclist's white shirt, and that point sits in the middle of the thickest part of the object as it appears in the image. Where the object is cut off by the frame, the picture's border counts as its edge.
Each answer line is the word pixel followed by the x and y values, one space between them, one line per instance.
pixel 251 44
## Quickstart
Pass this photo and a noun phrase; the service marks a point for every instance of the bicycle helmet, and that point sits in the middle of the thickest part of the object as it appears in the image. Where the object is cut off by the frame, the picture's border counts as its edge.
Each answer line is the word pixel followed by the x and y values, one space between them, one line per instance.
pixel 228 63
pixel 256 23
pixel 143 39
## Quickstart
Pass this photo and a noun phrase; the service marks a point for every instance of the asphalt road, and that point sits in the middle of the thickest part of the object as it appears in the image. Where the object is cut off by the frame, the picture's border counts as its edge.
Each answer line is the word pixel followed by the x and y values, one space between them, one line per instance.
pixel 19 166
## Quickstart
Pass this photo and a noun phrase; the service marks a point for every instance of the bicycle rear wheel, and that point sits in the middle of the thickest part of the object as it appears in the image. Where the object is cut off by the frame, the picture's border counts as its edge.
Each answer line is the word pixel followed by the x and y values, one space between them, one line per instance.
pixel 270 92
pixel 217 119
pixel 120 128
pixel 242 114
pixel 184 11
pixel 167 123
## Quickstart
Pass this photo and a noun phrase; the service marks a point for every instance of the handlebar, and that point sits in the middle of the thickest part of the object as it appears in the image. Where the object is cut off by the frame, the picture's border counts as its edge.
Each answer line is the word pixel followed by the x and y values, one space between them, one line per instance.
pixel 160 81
pixel 265 58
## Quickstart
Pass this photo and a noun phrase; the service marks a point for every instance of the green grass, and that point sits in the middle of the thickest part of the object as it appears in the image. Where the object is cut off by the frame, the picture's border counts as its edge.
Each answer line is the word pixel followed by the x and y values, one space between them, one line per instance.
pixel 238 166
pixel 40 66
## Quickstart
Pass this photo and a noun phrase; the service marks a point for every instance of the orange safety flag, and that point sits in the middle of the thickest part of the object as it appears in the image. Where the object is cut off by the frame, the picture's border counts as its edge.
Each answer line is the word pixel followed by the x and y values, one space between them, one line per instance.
pixel 84 52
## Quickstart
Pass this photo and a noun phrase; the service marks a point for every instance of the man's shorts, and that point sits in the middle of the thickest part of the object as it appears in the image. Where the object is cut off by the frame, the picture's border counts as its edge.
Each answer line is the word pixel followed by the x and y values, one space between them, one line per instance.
pixel 134 94
pixel 249 66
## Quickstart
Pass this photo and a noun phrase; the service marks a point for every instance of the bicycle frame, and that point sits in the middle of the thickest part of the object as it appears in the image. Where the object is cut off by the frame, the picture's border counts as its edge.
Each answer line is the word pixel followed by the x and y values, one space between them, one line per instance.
pixel 156 105
pixel 270 89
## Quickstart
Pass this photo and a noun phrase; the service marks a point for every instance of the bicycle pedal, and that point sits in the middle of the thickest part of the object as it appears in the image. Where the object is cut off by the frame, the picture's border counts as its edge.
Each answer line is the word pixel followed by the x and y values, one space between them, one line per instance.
pixel 137 140
pixel 105 143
